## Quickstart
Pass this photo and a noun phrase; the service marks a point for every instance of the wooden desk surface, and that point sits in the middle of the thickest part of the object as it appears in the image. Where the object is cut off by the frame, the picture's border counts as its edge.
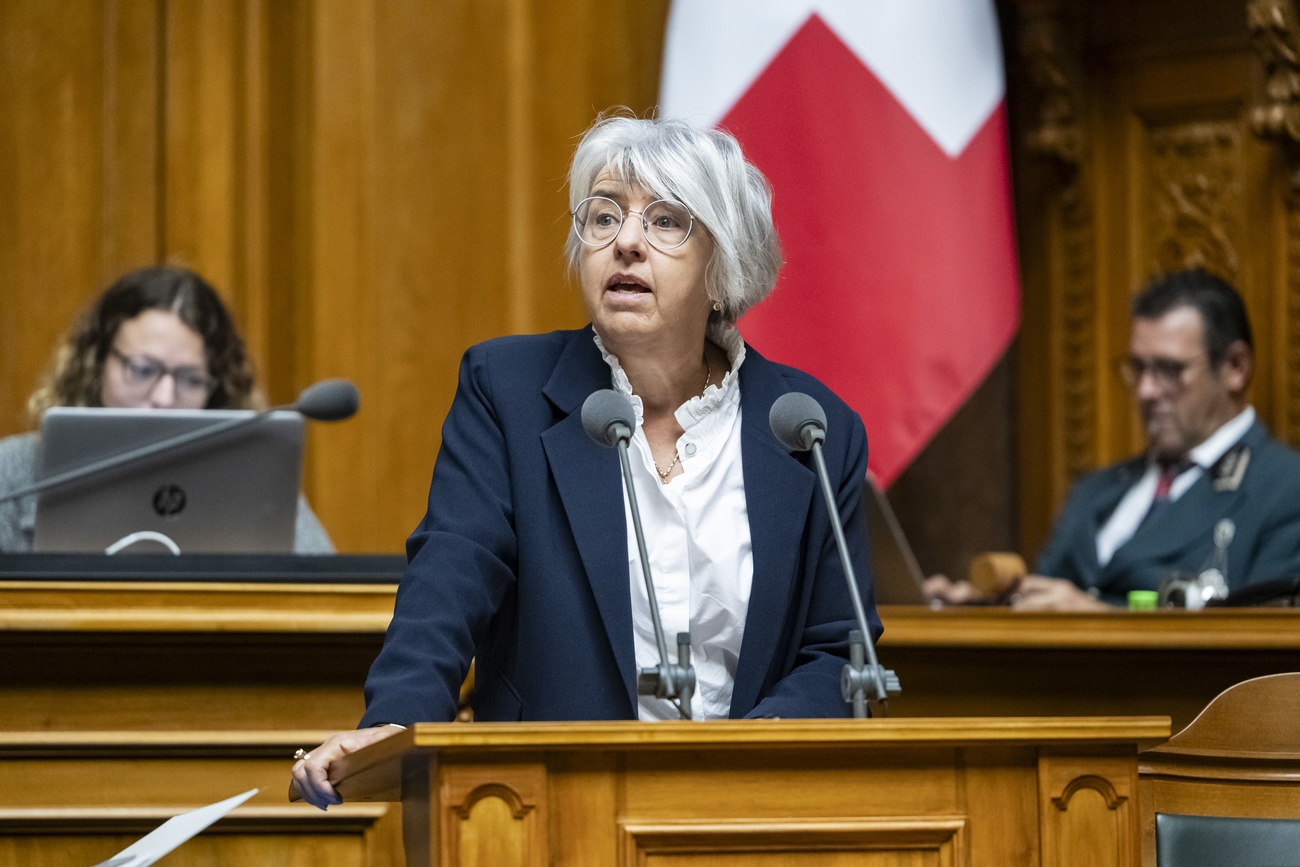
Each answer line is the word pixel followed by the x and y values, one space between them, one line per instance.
pixel 100 606
pixel 982 661
pixel 155 656
pixel 1000 627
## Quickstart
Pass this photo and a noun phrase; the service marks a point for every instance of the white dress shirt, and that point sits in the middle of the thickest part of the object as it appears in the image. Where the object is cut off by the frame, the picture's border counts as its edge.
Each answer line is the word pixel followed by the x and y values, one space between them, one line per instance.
pixel 697 538
pixel 1128 515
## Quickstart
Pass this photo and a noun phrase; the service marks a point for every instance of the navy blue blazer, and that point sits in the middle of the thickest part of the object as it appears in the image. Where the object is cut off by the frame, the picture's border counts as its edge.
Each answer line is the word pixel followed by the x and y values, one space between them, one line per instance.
pixel 521 561
pixel 1256 485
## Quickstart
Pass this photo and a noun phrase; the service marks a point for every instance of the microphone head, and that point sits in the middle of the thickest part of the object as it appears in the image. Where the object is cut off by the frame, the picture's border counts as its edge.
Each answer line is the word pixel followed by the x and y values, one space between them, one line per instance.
pixel 797 421
pixel 328 400
pixel 608 416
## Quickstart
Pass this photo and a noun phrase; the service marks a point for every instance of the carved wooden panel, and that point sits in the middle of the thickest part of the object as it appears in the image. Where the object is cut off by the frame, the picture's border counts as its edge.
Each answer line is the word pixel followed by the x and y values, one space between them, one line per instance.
pixel 896 840
pixel 496 820
pixel 1088 817
pixel 1194 208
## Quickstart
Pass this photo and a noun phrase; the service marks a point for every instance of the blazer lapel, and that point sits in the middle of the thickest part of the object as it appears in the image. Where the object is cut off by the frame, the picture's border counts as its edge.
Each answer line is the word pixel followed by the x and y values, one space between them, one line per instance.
pixel 778 495
pixel 590 485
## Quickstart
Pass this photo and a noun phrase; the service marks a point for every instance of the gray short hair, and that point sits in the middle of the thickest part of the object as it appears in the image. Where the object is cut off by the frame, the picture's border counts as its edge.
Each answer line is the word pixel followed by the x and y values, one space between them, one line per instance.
pixel 705 170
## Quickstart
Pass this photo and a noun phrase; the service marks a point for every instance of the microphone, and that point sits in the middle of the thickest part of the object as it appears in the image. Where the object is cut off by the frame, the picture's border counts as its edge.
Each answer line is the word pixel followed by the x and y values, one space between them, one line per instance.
pixel 327 400
pixel 608 418
pixel 799 423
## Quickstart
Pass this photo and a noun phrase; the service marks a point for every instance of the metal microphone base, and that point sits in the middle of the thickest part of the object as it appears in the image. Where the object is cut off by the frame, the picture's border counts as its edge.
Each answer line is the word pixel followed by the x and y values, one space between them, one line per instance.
pixel 858 680
pixel 673 682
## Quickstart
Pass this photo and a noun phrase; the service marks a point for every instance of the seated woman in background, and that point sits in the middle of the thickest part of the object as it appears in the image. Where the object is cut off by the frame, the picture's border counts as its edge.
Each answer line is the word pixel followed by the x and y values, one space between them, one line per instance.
pixel 158 338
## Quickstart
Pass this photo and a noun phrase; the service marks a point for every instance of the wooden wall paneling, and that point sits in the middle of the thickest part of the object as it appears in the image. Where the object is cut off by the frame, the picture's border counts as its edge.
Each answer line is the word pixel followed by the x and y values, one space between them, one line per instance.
pixel 440 135
pixel 338 280
pixel 132 216
pixel 1052 136
pixel 202 201
pixel 596 57
pixel 221 126
pixel 1196 193
pixel 1275 118
pixel 77 168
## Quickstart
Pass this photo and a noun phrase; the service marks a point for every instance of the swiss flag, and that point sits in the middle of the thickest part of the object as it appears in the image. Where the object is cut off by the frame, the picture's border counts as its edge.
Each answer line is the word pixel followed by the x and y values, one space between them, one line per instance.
pixel 881 126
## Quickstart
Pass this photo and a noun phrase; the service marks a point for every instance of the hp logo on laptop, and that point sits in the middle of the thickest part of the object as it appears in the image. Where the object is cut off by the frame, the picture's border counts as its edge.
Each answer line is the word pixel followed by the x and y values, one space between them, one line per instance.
pixel 169 500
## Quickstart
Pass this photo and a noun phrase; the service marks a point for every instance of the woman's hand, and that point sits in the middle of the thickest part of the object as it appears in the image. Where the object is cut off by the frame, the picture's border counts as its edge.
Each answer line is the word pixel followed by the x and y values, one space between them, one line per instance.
pixel 311 770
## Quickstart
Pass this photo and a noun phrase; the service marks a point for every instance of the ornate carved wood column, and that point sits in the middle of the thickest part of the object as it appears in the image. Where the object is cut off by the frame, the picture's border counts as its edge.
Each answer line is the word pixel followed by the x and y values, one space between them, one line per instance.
pixel 1058 415
pixel 1275 117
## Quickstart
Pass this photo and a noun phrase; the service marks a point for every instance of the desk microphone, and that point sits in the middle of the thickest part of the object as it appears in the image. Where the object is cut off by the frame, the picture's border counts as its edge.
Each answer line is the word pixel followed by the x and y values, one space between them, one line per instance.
pixel 799 423
pixel 327 400
pixel 609 419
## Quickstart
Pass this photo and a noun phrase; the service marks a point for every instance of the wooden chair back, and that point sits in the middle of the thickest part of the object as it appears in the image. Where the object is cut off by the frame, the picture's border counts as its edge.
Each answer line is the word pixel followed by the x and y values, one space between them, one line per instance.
pixel 1239 759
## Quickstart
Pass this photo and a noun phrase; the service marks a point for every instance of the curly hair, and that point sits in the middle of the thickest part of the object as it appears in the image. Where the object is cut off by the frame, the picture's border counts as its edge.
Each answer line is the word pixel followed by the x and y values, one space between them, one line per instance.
pixel 76 375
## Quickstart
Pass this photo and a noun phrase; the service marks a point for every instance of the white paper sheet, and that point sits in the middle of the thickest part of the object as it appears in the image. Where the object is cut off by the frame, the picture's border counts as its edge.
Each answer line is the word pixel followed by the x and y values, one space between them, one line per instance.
pixel 172 833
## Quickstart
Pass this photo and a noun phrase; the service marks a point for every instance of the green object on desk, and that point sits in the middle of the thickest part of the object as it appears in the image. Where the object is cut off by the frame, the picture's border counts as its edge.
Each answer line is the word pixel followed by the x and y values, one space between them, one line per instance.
pixel 1142 600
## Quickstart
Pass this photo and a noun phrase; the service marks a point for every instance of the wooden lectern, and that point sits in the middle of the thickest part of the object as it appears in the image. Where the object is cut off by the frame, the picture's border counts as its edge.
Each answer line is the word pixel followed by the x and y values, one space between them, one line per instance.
pixel 944 791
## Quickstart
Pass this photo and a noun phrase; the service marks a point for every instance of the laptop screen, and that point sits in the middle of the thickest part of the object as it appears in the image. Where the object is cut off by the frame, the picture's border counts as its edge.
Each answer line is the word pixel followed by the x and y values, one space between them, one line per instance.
pixel 233 492
pixel 896 575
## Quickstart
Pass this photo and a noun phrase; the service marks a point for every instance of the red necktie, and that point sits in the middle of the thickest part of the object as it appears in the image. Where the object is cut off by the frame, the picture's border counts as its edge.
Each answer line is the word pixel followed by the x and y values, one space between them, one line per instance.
pixel 1165 481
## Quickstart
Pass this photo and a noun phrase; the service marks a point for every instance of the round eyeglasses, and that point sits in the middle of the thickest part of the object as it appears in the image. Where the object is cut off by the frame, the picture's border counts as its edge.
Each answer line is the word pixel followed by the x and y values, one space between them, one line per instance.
pixel 666 224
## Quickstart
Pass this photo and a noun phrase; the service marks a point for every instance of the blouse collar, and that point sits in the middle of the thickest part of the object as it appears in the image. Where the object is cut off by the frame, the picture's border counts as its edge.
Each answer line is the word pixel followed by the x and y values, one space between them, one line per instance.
pixel 715 396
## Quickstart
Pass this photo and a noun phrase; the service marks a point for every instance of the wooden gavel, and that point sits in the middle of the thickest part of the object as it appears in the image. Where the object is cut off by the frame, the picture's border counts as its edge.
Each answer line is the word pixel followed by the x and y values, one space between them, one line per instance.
pixel 996 574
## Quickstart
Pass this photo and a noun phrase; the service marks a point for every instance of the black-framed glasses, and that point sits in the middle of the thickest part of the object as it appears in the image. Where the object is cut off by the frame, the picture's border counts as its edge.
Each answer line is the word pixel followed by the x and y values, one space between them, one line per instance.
pixel 666 224
pixel 1167 373
pixel 142 372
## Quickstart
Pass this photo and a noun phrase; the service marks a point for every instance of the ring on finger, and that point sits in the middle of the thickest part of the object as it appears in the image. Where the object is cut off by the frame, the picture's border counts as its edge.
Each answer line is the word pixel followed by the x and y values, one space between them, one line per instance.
pixel 301 755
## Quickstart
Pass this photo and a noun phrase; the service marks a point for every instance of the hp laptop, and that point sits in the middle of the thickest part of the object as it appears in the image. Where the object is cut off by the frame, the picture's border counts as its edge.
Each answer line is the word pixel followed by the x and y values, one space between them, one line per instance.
pixel 232 492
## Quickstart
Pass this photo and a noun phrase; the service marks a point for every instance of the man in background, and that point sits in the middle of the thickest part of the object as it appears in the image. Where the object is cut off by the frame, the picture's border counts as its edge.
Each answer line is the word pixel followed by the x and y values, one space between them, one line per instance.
pixel 1209 465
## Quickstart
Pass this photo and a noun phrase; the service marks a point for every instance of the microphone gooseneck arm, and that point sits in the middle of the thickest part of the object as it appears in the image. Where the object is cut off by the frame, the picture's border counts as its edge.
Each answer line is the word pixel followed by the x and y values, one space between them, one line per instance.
pixel 608 419
pixel 799 423
pixel 673 682
pixel 856 678
pixel 330 400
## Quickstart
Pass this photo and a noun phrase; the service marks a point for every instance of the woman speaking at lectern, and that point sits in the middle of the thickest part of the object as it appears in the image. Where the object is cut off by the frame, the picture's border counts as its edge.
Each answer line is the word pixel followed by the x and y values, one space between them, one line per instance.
pixel 526 560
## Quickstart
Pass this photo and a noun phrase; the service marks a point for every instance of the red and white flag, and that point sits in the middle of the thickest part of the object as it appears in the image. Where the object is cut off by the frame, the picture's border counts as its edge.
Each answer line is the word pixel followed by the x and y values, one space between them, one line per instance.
pixel 881 125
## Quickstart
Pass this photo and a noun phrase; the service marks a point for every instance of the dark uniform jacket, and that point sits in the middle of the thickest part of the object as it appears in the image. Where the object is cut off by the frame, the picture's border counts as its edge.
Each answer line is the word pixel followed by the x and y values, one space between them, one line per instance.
pixel 1256 485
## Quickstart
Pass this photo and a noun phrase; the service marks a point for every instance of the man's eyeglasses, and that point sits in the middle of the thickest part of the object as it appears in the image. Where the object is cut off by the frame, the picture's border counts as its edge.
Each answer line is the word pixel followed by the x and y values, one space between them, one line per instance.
pixel 142 372
pixel 666 224
pixel 1167 373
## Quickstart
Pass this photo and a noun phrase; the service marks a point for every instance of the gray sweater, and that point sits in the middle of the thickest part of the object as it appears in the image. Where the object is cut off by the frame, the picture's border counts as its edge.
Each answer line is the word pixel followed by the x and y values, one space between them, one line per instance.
pixel 19 457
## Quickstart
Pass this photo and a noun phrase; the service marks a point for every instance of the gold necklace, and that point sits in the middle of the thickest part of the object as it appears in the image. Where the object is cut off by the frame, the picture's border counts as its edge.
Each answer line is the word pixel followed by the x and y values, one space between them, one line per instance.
pixel 663 474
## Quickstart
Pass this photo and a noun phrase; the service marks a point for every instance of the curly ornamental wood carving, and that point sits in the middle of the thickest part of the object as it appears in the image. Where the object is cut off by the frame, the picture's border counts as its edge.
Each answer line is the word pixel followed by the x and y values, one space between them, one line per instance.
pixel 1275 31
pixel 1058 132
pixel 1054 71
pixel 1194 202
